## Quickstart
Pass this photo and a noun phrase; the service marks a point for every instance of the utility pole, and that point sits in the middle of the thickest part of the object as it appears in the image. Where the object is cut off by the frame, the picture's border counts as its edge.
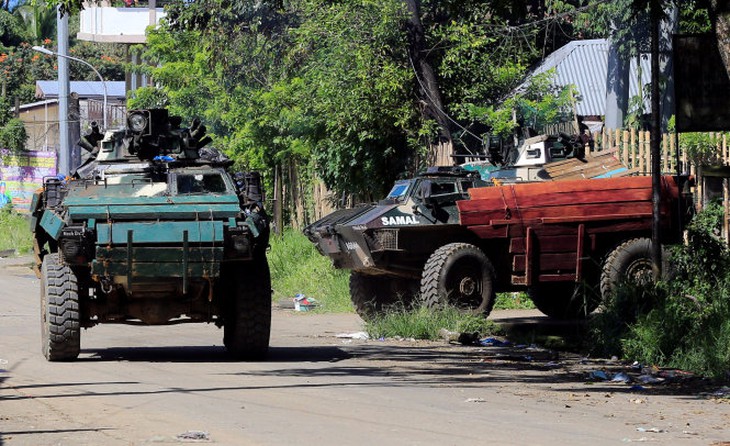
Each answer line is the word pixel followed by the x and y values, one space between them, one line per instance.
pixel 655 142
pixel 64 138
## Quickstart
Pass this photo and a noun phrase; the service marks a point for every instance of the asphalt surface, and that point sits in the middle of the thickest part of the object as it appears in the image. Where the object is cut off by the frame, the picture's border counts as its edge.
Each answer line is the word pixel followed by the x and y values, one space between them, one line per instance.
pixel 174 384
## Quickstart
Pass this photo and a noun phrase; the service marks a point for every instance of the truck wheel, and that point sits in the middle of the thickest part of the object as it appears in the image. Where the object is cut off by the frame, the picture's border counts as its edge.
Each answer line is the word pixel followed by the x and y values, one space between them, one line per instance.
pixel 60 328
pixel 247 324
pixel 564 300
pixel 372 295
pixel 460 275
pixel 631 260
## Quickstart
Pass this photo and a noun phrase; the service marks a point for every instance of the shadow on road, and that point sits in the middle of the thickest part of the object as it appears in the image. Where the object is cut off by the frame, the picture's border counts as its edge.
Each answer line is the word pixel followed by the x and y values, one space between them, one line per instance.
pixel 192 354
pixel 387 363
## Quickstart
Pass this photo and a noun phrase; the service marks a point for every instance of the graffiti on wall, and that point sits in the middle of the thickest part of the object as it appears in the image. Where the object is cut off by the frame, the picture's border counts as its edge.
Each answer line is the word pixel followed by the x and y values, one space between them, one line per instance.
pixel 22 174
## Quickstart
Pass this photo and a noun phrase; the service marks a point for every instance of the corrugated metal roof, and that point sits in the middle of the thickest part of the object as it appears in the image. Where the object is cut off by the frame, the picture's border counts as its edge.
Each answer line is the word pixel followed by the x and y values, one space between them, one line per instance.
pixel 584 63
pixel 85 89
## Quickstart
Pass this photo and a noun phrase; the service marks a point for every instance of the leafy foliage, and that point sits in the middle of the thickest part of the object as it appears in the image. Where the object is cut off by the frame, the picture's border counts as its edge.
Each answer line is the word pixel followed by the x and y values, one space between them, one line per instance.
pixel 684 322
pixel 540 103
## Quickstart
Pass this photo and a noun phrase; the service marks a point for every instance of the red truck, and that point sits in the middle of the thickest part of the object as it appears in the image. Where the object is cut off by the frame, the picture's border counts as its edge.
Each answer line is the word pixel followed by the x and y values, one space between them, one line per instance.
pixel 448 237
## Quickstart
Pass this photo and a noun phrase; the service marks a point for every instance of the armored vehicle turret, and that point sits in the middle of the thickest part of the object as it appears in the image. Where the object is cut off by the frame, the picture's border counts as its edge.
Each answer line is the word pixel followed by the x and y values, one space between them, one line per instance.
pixel 152 229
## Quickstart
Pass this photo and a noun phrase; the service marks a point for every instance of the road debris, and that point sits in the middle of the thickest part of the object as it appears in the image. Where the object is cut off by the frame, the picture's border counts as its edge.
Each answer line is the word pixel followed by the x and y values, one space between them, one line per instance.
pixel 653 430
pixel 358 335
pixel 193 436
pixel 304 303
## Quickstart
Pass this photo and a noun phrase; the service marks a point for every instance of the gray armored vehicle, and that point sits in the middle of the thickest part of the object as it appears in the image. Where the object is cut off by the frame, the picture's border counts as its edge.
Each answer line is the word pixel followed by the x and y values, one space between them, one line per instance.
pixel 152 229
pixel 387 244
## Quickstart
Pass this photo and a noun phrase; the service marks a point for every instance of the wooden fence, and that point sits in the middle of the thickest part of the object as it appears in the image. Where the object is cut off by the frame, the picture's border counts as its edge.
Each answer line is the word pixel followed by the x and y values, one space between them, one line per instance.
pixel 633 149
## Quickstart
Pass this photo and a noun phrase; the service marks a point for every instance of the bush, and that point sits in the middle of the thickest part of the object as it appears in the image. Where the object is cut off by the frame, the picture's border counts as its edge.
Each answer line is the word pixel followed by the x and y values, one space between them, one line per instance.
pixel 14 231
pixel 297 267
pixel 682 323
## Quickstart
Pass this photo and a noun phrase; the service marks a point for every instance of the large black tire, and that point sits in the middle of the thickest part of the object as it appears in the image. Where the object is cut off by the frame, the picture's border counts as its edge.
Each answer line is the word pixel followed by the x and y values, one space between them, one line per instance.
pixel 564 300
pixel 373 295
pixel 629 261
pixel 60 328
pixel 247 320
pixel 459 275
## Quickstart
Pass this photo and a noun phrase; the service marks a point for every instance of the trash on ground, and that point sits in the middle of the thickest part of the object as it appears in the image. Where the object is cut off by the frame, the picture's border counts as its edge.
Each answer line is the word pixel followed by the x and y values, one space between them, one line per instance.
pixel 304 303
pixel 721 393
pixel 649 379
pixel 493 342
pixel 194 436
pixel 462 338
pixel 361 335
pixel 653 430
pixel 620 378
pixel 475 400
pixel 599 375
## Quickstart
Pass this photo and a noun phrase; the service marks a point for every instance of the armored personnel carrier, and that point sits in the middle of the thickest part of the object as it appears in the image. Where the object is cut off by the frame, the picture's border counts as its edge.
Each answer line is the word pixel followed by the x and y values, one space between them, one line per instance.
pixel 386 244
pixel 152 229
pixel 451 241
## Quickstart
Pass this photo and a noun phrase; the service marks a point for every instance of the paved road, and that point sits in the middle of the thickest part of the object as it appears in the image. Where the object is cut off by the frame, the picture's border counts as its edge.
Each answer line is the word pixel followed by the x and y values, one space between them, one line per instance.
pixel 159 385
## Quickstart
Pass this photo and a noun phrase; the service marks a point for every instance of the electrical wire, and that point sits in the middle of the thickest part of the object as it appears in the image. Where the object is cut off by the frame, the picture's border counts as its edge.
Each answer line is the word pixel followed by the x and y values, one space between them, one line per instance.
pixel 507 33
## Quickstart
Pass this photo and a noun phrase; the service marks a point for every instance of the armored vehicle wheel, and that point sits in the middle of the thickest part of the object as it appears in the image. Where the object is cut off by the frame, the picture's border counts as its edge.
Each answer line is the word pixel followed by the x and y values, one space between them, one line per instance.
pixel 247 324
pixel 564 300
pixel 60 329
pixel 461 275
pixel 372 295
pixel 631 260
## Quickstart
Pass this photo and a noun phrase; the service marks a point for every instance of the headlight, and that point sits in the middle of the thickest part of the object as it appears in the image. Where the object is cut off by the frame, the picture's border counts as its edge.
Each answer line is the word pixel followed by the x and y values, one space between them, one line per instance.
pixel 137 121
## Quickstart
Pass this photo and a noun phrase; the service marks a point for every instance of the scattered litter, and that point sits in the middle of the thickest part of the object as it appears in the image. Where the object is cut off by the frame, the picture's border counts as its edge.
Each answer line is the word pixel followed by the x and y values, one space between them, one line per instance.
pixel 635 440
pixel 553 364
pixel 361 335
pixel 648 379
pixel 637 365
pixel 638 401
pixel 637 388
pixel 493 342
pixel 165 158
pixel 194 436
pixel 448 336
pixel 722 393
pixel 620 378
pixel 475 400
pixel 653 430
pixel 690 433
pixel 599 375
pixel 3 361
pixel 304 303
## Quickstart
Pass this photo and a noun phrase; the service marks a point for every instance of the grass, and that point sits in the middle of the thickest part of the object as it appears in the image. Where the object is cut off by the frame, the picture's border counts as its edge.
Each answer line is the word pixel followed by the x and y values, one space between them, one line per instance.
pixel 15 232
pixel 513 301
pixel 297 268
pixel 426 323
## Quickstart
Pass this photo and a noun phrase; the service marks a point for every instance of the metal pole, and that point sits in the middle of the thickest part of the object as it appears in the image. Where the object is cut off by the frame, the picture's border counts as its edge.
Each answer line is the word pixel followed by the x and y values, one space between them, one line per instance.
pixel 654 142
pixel 64 151
pixel 65 56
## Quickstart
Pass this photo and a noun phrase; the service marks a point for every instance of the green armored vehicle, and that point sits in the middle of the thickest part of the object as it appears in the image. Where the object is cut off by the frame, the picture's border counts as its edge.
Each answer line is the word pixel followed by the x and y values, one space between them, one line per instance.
pixel 152 229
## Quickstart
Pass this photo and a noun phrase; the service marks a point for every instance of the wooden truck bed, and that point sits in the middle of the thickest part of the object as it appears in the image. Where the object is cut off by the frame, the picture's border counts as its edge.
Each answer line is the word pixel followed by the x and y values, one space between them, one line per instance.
pixel 557 230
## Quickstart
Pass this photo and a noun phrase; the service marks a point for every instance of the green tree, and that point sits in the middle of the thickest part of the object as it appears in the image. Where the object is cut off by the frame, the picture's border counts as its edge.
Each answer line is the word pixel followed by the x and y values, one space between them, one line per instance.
pixel 37 20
